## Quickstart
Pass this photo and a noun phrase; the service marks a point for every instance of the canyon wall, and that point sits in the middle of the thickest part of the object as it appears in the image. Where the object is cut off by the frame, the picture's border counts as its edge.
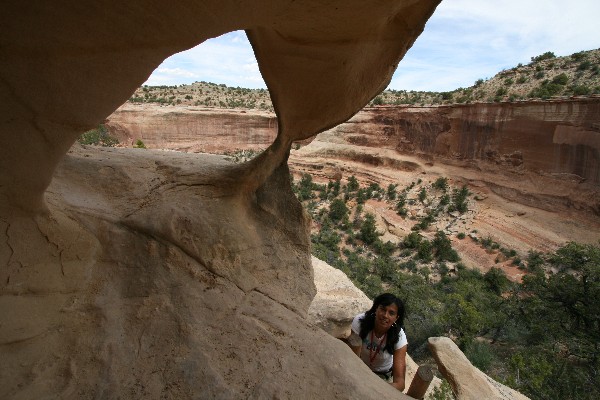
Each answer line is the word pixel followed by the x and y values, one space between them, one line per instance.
pixel 559 138
pixel 192 129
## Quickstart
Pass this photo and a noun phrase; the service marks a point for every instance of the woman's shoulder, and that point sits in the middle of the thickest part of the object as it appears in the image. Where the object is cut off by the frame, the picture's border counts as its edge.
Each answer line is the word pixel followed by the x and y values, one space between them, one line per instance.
pixel 356 322
pixel 360 316
pixel 402 341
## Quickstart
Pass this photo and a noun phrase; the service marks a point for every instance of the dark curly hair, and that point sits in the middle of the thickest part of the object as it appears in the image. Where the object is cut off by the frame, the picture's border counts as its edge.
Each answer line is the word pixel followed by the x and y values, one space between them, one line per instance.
pixel 367 323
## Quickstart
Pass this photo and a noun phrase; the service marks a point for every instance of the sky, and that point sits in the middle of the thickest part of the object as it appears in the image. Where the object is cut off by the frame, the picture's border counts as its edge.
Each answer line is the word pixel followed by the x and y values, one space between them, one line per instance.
pixel 464 40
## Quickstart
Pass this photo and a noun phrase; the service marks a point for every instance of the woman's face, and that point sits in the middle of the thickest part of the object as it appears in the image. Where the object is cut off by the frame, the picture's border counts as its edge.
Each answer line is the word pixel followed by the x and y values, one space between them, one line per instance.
pixel 385 316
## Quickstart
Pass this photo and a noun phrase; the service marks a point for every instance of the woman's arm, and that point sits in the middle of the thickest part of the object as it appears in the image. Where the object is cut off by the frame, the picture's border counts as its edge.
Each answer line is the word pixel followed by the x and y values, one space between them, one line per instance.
pixel 399 368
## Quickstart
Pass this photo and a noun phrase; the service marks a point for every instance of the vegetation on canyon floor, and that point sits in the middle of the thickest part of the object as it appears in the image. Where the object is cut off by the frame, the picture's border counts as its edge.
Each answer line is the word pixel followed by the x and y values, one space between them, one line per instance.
pixel 98 136
pixel 538 336
pixel 545 77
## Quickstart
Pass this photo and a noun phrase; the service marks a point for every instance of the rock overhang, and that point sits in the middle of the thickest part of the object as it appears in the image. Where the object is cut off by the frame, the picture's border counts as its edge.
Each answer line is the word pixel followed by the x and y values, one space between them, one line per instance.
pixel 73 63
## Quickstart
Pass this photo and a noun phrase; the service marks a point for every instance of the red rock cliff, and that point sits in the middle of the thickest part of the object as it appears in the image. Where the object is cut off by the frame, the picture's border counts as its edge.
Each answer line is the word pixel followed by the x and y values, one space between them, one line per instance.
pixel 192 129
pixel 556 137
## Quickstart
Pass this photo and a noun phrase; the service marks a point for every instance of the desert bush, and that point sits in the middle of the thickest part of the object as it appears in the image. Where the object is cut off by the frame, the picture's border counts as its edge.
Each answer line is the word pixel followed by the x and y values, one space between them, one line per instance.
pixel 368 230
pixel 546 56
pixel 581 90
pixel 561 79
pixel 99 137
pixel 584 65
pixel 480 354
pixel 352 185
pixel 441 183
pixel 580 55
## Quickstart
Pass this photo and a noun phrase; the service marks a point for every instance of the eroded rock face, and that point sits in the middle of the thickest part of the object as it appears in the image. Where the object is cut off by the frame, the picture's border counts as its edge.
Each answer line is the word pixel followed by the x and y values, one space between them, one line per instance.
pixel 559 137
pixel 127 290
pixel 147 275
pixel 336 302
pixel 193 129
pixel 558 141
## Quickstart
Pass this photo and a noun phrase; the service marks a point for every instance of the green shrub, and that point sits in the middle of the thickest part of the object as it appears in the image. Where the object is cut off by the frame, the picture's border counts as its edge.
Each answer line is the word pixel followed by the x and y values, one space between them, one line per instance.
pixel 422 195
pixel 480 354
pixel 412 240
pixel 424 251
pixel 546 90
pixel 378 101
pixel 546 56
pixel 368 231
pixel 338 210
pixel 139 144
pixel 580 55
pixel 441 183
pixel 352 184
pixel 561 79
pixel 98 137
pixel 305 188
pixel 443 248
pixel 584 65
pixel 581 90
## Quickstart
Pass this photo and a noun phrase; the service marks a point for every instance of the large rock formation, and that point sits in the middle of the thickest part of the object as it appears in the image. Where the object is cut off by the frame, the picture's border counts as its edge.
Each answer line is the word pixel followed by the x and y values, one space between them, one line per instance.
pixel 145 275
pixel 336 302
pixel 528 195
pixel 560 137
pixel 467 382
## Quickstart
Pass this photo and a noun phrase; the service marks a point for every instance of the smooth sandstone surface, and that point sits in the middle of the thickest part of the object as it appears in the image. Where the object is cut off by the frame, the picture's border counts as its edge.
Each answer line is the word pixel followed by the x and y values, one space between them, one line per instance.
pixel 336 302
pixel 132 274
pixel 467 382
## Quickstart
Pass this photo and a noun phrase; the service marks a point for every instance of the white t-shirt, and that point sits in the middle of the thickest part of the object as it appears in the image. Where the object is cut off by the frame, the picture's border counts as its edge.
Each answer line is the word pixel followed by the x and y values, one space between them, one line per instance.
pixel 383 361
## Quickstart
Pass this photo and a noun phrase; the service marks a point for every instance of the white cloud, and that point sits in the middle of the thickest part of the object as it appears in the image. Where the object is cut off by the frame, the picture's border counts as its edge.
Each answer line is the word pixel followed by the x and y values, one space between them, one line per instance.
pixel 463 41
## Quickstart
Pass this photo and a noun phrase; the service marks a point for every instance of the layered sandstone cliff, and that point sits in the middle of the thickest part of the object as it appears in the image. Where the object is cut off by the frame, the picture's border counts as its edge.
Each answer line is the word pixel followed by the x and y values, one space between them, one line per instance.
pixel 557 138
pixel 192 129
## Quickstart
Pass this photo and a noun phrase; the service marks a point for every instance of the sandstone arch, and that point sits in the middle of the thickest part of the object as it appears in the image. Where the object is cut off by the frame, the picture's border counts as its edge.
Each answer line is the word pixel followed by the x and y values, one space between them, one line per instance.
pixel 142 275
pixel 72 63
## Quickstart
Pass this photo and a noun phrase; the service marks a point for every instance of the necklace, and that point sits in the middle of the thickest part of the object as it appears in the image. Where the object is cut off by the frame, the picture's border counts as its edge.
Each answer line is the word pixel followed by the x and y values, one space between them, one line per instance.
pixel 374 351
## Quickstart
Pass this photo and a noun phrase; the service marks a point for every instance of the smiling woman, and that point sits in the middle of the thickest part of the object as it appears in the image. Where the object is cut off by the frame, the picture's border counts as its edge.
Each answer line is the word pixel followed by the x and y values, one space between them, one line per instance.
pixel 379 340
pixel 227 59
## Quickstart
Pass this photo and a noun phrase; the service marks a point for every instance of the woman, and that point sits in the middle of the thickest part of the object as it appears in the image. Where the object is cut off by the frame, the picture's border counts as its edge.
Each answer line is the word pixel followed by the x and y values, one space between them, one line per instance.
pixel 378 339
